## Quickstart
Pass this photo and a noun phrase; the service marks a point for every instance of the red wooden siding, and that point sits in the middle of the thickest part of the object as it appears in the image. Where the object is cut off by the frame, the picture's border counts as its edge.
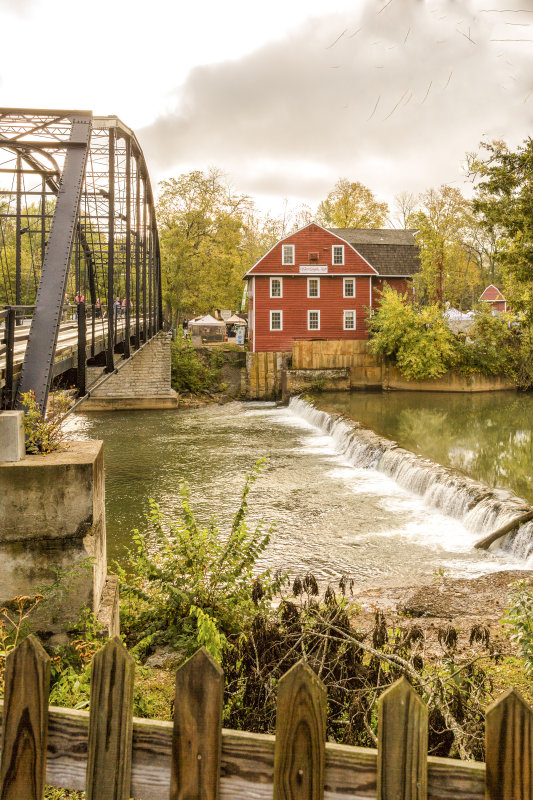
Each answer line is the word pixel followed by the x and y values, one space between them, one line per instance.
pixel 312 239
pixel 312 246
pixel 295 304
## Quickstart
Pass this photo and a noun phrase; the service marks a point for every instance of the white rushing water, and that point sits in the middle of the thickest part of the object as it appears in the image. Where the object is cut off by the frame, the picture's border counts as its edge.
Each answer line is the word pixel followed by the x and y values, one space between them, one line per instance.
pixel 479 508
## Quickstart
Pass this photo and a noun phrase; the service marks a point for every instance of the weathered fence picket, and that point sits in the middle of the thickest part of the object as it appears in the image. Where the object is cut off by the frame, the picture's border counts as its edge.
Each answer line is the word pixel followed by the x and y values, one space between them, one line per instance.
pixel 509 748
pixel 197 733
pixel 402 744
pixel 114 757
pixel 299 753
pixel 25 722
pixel 110 724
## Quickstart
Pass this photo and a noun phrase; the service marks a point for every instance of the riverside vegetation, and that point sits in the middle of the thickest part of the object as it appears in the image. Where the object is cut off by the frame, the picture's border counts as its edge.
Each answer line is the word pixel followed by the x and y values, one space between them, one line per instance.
pixel 200 372
pixel 189 584
pixel 418 340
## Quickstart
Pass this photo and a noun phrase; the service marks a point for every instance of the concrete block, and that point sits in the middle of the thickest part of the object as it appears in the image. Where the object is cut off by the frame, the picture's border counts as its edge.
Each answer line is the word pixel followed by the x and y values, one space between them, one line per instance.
pixel 52 518
pixel 12 444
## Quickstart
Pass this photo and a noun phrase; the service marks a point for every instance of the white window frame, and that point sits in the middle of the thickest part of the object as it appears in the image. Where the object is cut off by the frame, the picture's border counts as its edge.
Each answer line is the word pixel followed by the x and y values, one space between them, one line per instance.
pixel 333 262
pixel 280 287
pixel 344 287
pixel 313 311
pixel 313 278
pixel 349 311
pixel 283 258
pixel 277 311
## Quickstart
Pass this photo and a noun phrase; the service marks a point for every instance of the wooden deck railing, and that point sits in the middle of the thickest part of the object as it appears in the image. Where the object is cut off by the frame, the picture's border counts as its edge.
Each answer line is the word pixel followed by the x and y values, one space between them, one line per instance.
pixel 114 757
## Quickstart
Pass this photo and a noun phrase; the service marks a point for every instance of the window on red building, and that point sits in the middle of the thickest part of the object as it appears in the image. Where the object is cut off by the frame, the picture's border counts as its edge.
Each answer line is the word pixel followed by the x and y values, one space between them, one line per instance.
pixel 337 253
pixel 313 287
pixel 276 320
pixel 313 320
pixel 276 287
pixel 288 254
pixel 349 287
pixel 349 320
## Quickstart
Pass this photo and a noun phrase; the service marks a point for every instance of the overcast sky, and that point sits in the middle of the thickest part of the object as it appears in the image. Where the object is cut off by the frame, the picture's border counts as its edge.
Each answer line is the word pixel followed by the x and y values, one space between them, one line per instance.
pixel 289 95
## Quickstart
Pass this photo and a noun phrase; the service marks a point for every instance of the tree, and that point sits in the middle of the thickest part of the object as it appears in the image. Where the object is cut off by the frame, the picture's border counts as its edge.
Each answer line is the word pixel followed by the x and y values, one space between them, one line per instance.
pixel 201 222
pixel 444 224
pixel 405 205
pixel 416 338
pixel 504 199
pixel 351 205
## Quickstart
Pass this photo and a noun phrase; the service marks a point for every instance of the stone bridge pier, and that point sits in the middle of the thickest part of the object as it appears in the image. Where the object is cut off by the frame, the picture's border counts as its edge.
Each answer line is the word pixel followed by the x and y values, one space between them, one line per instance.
pixel 141 382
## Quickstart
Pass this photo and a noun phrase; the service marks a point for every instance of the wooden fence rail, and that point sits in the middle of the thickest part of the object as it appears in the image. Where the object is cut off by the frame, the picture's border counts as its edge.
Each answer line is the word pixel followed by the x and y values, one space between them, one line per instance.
pixel 113 756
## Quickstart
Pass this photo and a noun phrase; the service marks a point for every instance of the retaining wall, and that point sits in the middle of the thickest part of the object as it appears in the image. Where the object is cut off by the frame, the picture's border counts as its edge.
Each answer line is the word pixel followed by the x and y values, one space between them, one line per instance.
pixel 341 365
pixel 144 382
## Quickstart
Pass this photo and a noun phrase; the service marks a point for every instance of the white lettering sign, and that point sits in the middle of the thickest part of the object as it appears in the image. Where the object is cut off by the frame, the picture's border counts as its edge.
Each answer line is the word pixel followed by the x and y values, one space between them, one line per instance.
pixel 314 269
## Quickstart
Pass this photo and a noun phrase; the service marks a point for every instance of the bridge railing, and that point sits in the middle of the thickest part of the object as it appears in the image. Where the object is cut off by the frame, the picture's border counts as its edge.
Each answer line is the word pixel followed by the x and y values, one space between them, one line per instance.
pixel 109 754
pixel 86 331
pixel 13 328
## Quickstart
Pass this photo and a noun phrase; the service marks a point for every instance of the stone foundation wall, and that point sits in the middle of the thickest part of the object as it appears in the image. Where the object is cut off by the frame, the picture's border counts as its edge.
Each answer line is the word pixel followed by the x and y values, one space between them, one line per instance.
pixel 144 382
pixel 451 382
pixel 366 371
pixel 342 365
pixel 322 380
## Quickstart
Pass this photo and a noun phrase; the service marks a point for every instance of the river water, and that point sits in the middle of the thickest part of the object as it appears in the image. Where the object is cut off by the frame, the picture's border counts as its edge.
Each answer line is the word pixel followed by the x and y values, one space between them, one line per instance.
pixel 332 515
pixel 487 435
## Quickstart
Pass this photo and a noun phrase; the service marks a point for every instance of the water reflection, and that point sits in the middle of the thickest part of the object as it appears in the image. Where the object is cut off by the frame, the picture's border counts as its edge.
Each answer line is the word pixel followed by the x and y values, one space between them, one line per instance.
pixel 488 435
pixel 331 517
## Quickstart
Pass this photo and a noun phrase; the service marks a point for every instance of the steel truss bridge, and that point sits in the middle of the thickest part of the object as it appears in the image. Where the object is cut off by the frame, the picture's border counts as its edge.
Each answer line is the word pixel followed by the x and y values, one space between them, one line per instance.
pixel 80 276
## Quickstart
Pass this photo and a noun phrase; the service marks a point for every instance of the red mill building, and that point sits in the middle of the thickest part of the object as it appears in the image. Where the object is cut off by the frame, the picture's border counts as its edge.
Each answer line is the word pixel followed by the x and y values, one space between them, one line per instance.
pixel 319 283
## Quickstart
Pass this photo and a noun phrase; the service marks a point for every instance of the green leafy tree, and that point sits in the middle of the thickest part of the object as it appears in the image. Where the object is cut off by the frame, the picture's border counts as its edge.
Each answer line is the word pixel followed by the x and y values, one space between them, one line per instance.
pixel 30 251
pixel 417 339
pixel 201 221
pixel 504 199
pixel 350 204
pixel 449 268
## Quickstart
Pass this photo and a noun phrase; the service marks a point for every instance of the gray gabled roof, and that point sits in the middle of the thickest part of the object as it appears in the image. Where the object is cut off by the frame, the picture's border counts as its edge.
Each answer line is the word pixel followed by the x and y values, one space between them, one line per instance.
pixel 390 251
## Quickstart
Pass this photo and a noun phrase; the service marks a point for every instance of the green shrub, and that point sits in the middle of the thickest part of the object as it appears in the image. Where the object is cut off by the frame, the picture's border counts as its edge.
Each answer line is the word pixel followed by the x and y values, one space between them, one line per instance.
pixel 491 347
pixel 519 618
pixel 416 338
pixel 189 585
pixel 419 341
pixel 189 373
pixel 44 434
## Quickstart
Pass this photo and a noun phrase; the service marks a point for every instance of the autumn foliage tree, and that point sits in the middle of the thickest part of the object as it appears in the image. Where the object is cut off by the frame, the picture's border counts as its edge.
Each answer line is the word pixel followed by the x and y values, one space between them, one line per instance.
pixel 200 221
pixel 350 204
pixel 504 201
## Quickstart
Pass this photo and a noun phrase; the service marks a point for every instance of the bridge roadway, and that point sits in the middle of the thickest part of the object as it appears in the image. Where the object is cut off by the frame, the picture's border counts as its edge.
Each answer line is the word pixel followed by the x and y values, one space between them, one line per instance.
pixel 66 354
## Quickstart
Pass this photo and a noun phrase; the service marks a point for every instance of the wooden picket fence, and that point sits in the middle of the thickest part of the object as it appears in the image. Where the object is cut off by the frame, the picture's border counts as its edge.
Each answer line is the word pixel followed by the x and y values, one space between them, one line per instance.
pixel 114 757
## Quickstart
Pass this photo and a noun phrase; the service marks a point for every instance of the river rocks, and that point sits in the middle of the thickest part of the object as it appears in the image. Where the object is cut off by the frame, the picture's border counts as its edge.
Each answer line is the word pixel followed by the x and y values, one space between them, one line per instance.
pixel 164 658
pixel 449 598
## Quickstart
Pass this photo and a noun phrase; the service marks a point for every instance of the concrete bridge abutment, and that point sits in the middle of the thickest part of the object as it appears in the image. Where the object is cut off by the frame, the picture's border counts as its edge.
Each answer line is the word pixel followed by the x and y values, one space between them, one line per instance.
pixel 53 538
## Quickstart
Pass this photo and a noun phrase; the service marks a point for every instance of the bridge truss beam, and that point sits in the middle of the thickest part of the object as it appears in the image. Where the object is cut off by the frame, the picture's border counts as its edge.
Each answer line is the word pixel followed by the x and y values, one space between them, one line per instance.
pixel 78 235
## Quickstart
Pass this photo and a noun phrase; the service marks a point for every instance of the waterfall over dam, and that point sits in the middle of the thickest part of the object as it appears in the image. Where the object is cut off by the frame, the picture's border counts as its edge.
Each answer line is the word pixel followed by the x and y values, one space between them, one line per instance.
pixel 479 508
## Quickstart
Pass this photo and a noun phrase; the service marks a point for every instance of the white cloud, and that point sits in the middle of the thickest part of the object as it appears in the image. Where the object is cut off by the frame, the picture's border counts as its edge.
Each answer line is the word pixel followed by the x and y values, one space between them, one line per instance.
pixel 393 99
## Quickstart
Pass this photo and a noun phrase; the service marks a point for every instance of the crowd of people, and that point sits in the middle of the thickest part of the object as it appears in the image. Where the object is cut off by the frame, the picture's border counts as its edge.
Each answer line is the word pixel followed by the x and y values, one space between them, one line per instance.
pixel 118 304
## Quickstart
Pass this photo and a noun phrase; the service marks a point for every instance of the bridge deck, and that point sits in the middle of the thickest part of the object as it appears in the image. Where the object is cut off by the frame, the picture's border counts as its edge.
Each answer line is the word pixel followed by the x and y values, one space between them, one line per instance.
pixel 66 355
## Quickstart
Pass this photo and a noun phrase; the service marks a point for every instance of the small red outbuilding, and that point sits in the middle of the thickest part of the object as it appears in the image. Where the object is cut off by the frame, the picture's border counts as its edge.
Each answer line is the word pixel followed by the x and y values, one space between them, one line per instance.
pixel 319 283
pixel 493 296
